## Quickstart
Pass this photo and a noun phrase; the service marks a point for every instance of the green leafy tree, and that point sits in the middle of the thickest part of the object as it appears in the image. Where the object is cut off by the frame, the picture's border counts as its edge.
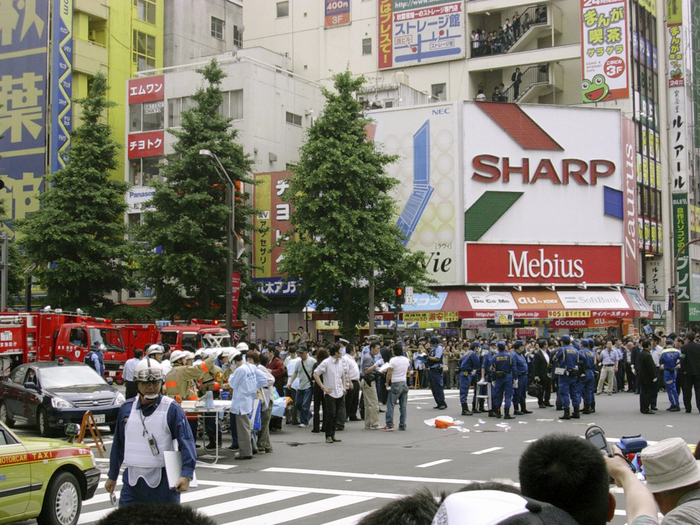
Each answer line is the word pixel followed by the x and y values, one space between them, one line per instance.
pixel 77 237
pixel 344 220
pixel 185 236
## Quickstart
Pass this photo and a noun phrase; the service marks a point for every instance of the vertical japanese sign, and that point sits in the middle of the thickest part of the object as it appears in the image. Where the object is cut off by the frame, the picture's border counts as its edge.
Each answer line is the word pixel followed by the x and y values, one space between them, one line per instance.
pixel 678 156
pixel 604 50
pixel 681 237
pixel 273 216
pixel 413 32
pixel 61 82
pixel 629 181
pixel 23 60
pixel 337 13
pixel 236 292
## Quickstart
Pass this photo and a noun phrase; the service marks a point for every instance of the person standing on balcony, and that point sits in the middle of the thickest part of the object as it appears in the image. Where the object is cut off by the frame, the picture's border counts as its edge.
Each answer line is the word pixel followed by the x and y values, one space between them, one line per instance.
pixel 517 79
pixel 516 25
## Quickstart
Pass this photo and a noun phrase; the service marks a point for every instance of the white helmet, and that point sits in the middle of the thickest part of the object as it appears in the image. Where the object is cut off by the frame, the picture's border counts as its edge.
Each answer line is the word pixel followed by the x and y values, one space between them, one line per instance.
pixel 189 355
pixel 242 347
pixel 155 349
pixel 148 370
pixel 177 355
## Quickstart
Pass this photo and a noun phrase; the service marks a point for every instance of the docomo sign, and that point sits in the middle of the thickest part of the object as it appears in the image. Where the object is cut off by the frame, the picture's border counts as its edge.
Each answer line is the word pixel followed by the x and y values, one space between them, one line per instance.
pixel 536 264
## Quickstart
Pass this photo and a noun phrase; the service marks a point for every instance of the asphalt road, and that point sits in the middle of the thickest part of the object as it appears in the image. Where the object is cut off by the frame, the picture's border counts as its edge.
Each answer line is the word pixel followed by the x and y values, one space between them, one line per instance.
pixel 308 481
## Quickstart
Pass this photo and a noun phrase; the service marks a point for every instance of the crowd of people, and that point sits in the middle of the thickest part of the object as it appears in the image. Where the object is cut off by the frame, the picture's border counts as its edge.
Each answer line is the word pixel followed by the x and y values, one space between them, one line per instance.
pixel 497 41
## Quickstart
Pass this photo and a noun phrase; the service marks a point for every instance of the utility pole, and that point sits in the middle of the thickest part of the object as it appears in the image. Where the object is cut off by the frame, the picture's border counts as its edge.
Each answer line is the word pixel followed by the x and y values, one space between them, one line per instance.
pixel 371 304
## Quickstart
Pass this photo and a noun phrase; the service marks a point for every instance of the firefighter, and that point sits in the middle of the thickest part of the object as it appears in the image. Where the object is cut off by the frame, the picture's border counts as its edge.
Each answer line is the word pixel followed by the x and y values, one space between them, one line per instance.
pixel 211 382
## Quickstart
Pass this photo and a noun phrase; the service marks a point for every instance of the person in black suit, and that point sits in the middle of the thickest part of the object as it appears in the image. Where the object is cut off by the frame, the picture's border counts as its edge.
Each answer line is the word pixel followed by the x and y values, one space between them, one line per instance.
pixel 648 379
pixel 690 371
pixel 540 374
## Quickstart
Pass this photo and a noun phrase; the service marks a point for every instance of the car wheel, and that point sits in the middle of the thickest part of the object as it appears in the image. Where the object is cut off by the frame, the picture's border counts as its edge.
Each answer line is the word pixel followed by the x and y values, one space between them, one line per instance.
pixel 5 416
pixel 42 421
pixel 62 501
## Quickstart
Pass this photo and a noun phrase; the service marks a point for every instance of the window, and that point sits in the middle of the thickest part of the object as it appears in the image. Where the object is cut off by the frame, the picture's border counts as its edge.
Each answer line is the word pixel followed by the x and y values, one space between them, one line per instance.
pixel 439 91
pixel 176 106
pixel 293 119
pixel 17 375
pixel 78 337
pixel 146 10
pixel 232 105
pixel 282 9
pixel 147 116
pixel 217 28
pixel 237 37
pixel 144 51
pixel 143 171
pixel 366 46
pixel 388 103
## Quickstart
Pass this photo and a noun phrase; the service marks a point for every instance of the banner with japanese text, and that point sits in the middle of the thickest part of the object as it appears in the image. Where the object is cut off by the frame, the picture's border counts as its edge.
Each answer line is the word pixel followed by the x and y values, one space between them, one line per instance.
pixel 23 87
pixel 61 82
pixel 413 32
pixel 604 50
pixel 678 135
pixel 236 292
pixel 273 212
pixel 681 236
pixel 337 13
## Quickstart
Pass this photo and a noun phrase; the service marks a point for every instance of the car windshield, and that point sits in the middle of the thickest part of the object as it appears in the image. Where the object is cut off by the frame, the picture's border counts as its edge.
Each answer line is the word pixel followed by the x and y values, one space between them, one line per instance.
pixel 67 376
pixel 112 339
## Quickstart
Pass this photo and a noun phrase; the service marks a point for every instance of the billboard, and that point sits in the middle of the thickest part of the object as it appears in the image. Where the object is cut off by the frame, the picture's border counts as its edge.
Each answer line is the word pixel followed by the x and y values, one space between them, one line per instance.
pixel 678 135
pixel 23 102
pixel 273 212
pixel 420 32
pixel 62 82
pixel 427 142
pixel 532 177
pixel 337 13
pixel 604 50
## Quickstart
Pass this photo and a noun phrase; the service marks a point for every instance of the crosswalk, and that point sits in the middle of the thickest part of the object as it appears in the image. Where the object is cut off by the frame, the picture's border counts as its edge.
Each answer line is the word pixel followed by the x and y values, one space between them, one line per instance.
pixel 231 503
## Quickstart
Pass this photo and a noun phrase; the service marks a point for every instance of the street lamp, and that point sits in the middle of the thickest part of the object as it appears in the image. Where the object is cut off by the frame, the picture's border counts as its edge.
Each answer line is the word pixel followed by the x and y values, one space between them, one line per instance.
pixel 226 179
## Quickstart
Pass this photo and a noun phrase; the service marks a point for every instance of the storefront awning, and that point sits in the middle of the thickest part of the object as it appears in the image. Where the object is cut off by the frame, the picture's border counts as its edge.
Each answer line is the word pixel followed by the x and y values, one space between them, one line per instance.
pixel 536 304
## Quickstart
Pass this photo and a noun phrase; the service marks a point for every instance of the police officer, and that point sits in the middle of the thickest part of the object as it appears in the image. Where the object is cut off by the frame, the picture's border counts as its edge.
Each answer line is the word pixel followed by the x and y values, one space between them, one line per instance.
pixel 434 366
pixel 669 362
pixel 502 367
pixel 146 428
pixel 521 370
pixel 567 358
pixel 468 366
pixel 588 381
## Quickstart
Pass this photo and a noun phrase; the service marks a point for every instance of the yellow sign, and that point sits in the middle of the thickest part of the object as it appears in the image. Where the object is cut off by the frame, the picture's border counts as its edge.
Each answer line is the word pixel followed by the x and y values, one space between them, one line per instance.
pixel 569 313
pixel 439 317
pixel 327 325
pixel 674 12
pixel 262 256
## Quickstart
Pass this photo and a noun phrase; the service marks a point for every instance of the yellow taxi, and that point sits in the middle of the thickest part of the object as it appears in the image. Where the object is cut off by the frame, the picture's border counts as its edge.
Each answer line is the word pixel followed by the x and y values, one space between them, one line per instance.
pixel 46 479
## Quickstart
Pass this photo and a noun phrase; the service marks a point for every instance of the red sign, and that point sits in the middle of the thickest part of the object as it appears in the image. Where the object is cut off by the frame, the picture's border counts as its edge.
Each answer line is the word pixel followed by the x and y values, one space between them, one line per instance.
pixel 146 89
pixel 629 205
pixel 236 282
pixel 149 144
pixel 543 264
pixel 385 44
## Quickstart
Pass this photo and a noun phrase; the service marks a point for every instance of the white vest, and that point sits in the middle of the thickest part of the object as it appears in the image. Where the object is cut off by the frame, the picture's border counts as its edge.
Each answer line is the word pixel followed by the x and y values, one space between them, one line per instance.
pixel 138 456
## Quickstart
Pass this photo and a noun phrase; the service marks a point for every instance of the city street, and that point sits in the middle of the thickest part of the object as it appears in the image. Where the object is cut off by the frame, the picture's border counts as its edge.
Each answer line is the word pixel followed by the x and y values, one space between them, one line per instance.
pixel 308 481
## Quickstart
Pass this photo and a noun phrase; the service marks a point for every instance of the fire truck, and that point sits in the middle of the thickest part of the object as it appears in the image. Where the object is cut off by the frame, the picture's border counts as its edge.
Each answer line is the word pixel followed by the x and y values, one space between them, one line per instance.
pixel 199 333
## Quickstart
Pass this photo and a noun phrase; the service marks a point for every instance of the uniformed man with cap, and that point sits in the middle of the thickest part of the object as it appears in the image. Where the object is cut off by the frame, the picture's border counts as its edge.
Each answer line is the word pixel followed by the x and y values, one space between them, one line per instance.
pixel 670 362
pixel 502 367
pixel 521 371
pixel 567 358
pixel 434 366
pixel 147 426
pixel 468 366
pixel 588 382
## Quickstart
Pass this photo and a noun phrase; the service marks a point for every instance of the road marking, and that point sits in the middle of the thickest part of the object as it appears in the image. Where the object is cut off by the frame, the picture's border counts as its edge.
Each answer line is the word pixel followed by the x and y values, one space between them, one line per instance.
pixel 246 503
pixel 301 511
pixel 486 451
pixel 350 520
pixel 365 476
pixel 433 463
pixel 305 490
pixel 530 440
pixel 200 464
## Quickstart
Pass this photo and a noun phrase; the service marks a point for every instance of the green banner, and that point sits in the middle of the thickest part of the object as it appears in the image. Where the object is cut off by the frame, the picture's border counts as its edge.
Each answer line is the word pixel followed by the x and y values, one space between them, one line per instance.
pixel 681 236
pixel 693 312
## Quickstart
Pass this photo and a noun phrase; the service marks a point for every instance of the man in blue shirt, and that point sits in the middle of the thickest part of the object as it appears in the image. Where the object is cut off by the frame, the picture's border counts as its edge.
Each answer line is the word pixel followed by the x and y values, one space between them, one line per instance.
pixel 468 366
pixel 502 367
pixel 588 382
pixel 521 370
pixel 146 428
pixel 567 358
pixel 434 366
pixel 669 362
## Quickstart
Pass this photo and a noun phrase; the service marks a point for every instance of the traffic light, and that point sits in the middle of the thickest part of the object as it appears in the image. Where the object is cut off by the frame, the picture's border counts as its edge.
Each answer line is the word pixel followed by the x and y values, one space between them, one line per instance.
pixel 399 295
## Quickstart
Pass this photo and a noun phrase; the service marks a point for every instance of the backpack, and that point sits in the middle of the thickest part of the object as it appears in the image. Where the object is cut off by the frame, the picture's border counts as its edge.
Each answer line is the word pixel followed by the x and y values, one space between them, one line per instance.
pixel 88 360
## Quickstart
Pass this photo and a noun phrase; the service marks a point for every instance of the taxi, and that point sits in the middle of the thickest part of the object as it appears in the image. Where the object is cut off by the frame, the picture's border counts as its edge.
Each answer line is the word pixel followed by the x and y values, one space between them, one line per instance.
pixel 45 479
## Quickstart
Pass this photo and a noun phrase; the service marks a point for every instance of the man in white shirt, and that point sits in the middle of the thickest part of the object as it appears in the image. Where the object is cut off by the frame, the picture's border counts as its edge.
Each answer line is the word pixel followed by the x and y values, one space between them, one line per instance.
pixel 353 396
pixel 291 387
pixel 128 375
pixel 398 388
pixel 334 385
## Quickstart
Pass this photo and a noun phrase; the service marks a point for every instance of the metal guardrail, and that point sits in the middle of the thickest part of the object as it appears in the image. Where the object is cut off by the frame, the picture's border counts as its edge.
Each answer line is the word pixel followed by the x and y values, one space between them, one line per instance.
pixel 500 41
pixel 533 75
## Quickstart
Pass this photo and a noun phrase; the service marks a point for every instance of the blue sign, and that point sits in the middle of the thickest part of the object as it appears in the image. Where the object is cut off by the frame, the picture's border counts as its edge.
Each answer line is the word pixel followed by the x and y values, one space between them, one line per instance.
pixel 276 286
pixel 62 82
pixel 423 302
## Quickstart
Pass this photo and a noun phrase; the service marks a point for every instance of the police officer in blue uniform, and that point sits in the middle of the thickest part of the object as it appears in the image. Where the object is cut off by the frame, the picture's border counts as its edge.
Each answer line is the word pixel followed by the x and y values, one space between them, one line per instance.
pixel 434 366
pixel 521 370
pixel 588 380
pixel 567 358
pixel 670 362
pixel 468 366
pixel 502 367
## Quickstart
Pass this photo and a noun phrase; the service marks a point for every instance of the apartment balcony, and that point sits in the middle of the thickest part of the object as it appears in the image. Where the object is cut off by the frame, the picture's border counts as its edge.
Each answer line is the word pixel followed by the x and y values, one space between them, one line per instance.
pixel 94 8
pixel 88 57
pixel 533 56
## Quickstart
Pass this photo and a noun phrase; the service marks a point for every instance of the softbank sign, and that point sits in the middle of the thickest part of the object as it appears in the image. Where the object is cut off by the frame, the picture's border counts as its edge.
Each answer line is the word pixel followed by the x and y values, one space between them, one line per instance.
pixel 547 175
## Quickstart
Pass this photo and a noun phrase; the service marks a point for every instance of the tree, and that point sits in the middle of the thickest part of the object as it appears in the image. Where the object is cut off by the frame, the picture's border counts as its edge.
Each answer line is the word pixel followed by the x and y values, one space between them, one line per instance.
pixel 344 220
pixel 185 235
pixel 77 238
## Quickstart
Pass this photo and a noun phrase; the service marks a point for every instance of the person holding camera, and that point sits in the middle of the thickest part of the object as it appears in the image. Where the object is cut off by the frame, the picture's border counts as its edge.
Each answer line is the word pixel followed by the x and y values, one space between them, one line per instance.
pixel 368 375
